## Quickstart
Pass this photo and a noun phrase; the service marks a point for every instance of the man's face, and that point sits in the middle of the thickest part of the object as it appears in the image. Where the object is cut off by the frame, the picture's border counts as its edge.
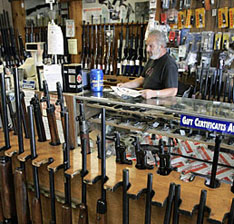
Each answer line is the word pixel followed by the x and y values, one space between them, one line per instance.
pixel 153 49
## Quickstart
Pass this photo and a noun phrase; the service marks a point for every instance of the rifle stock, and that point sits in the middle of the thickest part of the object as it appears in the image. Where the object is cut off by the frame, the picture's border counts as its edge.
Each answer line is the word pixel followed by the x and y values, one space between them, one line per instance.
pixel 1 211
pixel 36 211
pixel 50 116
pixel 20 195
pixel 7 188
pixel 66 214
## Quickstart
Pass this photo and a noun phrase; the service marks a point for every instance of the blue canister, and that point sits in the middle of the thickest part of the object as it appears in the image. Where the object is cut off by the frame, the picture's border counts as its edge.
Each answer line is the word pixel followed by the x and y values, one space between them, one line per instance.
pixel 96 80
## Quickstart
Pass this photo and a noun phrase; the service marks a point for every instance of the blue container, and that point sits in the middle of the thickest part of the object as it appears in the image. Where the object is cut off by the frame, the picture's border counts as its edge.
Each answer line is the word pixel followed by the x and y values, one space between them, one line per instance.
pixel 96 80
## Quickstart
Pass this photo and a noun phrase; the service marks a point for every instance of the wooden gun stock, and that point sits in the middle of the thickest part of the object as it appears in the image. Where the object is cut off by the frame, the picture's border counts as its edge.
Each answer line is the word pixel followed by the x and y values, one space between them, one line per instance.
pixel 1 211
pixel 21 196
pixel 7 190
pixel 66 214
pixel 83 216
pixel 101 218
pixel 36 211
pixel 53 128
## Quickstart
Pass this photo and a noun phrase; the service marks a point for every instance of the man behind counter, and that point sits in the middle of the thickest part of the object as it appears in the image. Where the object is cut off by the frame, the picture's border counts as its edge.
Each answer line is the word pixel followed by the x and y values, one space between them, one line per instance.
pixel 159 77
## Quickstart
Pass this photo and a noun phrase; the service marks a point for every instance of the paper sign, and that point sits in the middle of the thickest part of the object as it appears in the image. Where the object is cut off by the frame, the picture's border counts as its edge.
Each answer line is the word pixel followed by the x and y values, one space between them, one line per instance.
pixel 55 40
pixel 53 74
pixel 72 46
pixel 70 28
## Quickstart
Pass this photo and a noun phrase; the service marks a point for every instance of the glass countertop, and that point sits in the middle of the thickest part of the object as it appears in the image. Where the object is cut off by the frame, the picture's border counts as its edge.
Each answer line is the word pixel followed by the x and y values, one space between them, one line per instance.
pixel 178 105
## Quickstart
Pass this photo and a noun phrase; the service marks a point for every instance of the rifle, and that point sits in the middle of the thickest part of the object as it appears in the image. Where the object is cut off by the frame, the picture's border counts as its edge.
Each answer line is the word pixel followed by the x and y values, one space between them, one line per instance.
pixel 19 175
pixel 14 52
pixel 104 46
pixel 84 132
pixel 126 50
pixel 170 198
pixel 231 214
pixel 50 115
pixel 126 186
pixel 101 217
pixel 149 195
pixel 131 50
pixel 64 109
pixel 96 48
pixel 140 50
pixel 83 216
pixel 177 202
pixel 120 46
pixel 87 61
pixel 107 59
pixel 66 208
pixel 112 58
pixel 84 50
pixel 99 58
pixel 201 207
pixel 38 118
pixel 92 43
pixel 7 200
pixel 135 59
pixel 5 43
pixel 36 204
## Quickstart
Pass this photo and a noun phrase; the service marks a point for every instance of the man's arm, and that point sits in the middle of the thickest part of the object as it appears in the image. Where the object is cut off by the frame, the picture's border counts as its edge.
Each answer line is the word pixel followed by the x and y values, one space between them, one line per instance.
pixel 148 93
pixel 132 84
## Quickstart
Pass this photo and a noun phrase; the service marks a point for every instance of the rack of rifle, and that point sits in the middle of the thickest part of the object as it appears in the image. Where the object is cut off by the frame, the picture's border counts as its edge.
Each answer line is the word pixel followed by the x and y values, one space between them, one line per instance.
pixel 117 49
pixel 96 176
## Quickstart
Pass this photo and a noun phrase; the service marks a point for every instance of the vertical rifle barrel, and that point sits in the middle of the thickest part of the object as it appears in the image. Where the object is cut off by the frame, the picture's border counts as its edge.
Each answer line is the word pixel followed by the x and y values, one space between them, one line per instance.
pixel 103 150
pixel 125 196
pixel 4 111
pixel 148 199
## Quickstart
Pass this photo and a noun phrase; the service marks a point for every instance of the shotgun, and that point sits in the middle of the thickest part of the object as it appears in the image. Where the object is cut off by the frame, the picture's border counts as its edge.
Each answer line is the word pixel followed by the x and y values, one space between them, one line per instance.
pixel 170 198
pixel 83 216
pixel 38 118
pixel 22 207
pixel 231 214
pixel 148 201
pixel 101 217
pixel 6 176
pixel 126 186
pixel 50 110
pixel 201 207
pixel 66 208
pixel 36 204
pixel 84 132
pixel 64 109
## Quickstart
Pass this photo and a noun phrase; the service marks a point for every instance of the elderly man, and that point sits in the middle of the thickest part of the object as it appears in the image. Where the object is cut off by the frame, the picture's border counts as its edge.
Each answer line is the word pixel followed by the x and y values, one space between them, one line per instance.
pixel 160 75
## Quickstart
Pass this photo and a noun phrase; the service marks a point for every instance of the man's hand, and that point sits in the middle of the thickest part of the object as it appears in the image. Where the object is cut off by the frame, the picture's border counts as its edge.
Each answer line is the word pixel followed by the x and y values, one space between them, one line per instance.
pixel 120 84
pixel 149 93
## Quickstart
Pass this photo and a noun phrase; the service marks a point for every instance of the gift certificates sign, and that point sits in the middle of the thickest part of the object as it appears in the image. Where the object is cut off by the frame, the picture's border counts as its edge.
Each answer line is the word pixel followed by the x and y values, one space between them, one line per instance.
pixel 207 124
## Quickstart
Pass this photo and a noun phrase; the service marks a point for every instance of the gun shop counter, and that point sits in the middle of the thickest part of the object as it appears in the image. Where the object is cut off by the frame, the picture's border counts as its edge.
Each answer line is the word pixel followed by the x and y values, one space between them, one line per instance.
pixel 157 200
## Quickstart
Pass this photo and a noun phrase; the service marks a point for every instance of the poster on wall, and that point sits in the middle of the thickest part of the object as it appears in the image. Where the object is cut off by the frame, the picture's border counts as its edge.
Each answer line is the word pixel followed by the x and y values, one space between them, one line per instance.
pixel 115 10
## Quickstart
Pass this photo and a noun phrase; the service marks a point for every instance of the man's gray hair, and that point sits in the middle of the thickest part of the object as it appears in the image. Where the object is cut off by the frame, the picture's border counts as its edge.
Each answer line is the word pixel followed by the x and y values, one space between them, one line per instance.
pixel 159 36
